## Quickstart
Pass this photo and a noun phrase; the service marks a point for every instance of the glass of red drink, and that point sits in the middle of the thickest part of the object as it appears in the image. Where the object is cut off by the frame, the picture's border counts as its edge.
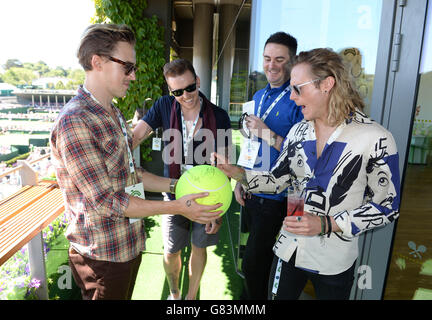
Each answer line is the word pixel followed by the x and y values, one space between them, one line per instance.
pixel 295 202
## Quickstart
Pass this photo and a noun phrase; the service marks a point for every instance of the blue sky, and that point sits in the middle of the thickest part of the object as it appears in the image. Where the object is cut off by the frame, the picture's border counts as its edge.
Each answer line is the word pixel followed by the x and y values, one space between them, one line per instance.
pixel 47 30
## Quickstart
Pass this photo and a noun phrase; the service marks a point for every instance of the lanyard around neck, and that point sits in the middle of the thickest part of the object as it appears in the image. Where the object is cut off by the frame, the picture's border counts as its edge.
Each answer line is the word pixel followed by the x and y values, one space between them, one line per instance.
pixel 124 130
pixel 276 278
pixel 269 109
pixel 188 137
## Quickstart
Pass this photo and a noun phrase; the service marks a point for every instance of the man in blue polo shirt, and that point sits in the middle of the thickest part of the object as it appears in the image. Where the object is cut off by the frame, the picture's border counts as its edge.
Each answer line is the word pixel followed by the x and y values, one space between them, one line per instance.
pixel 274 116
pixel 193 129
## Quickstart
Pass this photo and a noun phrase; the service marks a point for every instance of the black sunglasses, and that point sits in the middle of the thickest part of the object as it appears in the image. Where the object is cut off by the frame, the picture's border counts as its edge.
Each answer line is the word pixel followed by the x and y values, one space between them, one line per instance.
pixel 128 66
pixel 179 92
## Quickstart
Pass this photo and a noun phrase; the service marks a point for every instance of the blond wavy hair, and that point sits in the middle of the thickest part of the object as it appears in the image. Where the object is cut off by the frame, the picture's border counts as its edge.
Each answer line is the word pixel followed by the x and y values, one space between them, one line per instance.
pixel 344 97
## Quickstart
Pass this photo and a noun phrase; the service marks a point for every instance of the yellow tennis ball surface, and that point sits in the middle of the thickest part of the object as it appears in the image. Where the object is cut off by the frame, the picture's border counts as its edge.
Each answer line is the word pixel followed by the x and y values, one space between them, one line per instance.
pixel 205 178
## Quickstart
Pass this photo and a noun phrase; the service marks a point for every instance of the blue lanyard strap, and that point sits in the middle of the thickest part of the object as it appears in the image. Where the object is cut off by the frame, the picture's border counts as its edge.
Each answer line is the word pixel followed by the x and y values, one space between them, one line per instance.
pixel 265 115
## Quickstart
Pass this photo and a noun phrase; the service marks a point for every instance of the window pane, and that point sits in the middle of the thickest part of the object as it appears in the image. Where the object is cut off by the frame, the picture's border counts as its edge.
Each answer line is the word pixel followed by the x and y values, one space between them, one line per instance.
pixel 410 272
pixel 350 28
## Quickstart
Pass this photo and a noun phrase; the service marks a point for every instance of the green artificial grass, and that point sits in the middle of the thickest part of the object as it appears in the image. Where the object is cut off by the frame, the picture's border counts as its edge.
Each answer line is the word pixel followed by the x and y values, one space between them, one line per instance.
pixel 219 281
pixel 61 285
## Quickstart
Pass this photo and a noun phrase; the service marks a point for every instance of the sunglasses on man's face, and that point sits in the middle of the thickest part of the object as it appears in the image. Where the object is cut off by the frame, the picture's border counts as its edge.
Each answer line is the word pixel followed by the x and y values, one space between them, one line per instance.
pixel 128 66
pixel 179 92
pixel 296 87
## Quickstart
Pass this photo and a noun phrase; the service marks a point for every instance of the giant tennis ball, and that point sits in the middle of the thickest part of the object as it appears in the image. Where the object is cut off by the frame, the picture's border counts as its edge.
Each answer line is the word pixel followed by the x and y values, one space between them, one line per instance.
pixel 205 178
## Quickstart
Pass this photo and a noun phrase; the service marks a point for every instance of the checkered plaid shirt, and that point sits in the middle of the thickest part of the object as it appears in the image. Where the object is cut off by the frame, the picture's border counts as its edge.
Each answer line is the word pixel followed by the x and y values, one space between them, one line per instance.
pixel 90 155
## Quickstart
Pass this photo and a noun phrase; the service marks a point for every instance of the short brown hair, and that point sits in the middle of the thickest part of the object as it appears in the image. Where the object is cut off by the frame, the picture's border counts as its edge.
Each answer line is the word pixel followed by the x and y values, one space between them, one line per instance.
pixel 344 97
pixel 178 67
pixel 101 39
pixel 286 40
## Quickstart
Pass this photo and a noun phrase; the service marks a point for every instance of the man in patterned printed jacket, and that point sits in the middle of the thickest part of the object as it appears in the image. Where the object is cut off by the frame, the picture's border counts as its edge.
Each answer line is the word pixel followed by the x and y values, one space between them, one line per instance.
pixel 348 168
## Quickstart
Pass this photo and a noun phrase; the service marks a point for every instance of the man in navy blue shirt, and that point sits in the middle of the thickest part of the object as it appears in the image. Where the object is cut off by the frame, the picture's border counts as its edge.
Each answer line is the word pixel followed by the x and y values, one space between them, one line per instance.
pixel 274 116
pixel 193 129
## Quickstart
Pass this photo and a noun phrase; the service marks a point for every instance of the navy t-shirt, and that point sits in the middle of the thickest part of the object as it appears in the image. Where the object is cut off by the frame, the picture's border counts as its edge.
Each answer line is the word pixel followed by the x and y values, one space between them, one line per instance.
pixel 159 115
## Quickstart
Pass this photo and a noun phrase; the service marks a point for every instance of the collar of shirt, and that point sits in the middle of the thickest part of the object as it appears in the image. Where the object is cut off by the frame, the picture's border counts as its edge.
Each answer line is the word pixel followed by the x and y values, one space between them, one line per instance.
pixel 269 95
pixel 277 89
pixel 357 116
pixel 92 103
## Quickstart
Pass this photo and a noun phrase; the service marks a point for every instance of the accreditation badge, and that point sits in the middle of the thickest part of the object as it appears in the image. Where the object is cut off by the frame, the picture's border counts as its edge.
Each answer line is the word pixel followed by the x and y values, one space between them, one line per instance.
pixel 136 190
pixel 157 144
pixel 248 153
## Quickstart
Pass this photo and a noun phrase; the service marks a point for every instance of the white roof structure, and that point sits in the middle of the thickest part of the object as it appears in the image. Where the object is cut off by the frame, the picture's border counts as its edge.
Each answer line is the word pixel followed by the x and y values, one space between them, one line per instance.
pixel 44 81
pixel 6 86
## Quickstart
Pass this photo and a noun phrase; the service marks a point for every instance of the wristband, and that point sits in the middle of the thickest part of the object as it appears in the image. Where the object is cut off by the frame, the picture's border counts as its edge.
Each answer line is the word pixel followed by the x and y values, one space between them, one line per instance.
pixel 322 226
pixel 329 225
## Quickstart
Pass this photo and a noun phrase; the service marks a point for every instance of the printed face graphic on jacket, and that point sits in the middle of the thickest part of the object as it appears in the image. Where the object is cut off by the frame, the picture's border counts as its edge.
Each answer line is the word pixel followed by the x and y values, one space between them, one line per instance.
pixel 384 181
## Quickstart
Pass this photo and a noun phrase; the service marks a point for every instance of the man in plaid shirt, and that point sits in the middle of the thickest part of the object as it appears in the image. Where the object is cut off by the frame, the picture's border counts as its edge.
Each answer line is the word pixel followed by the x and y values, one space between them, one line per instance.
pixel 95 171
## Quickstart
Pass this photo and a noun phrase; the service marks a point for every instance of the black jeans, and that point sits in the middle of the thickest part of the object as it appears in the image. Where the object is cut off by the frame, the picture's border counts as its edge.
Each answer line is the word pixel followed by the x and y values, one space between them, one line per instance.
pixel 293 280
pixel 263 218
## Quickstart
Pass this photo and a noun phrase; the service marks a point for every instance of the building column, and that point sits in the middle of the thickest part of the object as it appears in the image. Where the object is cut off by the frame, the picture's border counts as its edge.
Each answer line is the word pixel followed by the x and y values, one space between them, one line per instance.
pixel 227 33
pixel 203 43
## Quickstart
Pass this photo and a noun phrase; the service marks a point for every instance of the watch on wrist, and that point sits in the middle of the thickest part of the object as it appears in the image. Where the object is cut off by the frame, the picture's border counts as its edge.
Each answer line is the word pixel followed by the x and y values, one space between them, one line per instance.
pixel 173 184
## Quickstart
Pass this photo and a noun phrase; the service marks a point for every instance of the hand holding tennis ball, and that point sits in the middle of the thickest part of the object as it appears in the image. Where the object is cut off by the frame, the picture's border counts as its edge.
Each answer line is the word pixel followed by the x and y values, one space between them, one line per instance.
pixel 187 206
pixel 205 178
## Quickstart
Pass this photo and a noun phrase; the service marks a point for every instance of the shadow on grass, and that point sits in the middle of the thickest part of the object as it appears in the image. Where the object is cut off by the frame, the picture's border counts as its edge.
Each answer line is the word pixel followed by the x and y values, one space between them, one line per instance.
pixel 61 285
pixel 225 249
pixel 228 251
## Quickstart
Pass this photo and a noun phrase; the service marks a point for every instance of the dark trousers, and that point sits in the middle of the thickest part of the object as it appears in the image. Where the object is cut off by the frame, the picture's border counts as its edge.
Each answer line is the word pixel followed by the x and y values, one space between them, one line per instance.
pixel 263 220
pixel 293 280
pixel 104 280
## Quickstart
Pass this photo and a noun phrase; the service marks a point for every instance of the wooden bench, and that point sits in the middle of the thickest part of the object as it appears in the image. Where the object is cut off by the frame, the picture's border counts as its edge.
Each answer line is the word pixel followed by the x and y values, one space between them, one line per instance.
pixel 23 216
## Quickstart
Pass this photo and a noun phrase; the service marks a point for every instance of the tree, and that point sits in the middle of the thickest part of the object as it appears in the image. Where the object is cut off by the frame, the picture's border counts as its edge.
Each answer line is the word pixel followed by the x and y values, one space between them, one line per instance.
pixel 70 85
pixel 149 50
pixel 29 65
pixel 13 63
pixel 17 76
pixel 60 86
pixel 41 68
pixel 57 72
pixel 77 75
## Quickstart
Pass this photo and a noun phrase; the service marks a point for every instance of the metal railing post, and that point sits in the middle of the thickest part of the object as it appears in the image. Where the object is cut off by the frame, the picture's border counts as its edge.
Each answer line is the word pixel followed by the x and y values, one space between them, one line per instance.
pixel 37 265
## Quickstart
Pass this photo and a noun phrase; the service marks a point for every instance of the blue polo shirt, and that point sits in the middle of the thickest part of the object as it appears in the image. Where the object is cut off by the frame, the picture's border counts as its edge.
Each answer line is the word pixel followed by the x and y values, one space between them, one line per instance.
pixel 280 120
pixel 160 113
